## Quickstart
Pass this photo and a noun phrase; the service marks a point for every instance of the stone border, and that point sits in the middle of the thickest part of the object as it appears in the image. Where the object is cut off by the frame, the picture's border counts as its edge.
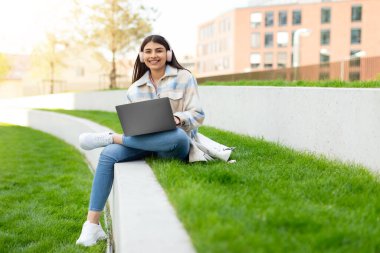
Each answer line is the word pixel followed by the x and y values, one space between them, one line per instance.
pixel 143 220
pixel 340 123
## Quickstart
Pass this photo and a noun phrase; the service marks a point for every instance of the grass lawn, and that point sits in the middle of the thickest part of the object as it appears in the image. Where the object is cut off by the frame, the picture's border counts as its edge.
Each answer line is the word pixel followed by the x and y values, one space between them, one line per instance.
pixel 335 84
pixel 273 199
pixel 44 191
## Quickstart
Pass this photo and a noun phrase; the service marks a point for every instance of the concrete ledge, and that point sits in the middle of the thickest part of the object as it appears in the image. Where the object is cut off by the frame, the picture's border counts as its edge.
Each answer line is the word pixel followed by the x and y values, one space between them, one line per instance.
pixel 340 123
pixel 147 220
pixel 142 218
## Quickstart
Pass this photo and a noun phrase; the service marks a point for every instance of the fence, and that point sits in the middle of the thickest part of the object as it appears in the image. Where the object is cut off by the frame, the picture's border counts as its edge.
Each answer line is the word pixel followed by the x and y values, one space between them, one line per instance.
pixel 363 69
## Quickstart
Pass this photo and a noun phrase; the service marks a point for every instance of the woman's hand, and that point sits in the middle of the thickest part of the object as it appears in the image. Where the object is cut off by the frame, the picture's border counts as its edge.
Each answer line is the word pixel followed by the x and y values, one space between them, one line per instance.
pixel 177 121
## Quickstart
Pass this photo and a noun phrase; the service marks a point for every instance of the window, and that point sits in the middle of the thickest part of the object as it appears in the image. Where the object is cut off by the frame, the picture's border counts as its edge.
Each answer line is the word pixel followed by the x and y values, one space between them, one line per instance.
pixel 281 59
pixel 325 37
pixel 255 60
pixel 205 49
pixel 269 40
pixel 354 75
pixel 282 39
pixel 324 75
pixel 269 19
pixel 268 60
pixel 207 31
pixel 356 13
pixel 282 18
pixel 256 19
pixel 226 63
pixel 224 25
pixel 297 17
pixel 356 35
pixel 354 60
pixel 255 40
pixel 325 15
pixel 324 60
pixel 293 37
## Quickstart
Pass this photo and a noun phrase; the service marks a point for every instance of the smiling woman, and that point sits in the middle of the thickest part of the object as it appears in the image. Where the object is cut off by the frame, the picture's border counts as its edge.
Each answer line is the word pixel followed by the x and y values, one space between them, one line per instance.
pixel 44 183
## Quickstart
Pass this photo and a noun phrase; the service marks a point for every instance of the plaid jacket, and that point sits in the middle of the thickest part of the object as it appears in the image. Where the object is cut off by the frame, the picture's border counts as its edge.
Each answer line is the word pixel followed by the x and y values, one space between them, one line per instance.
pixel 181 88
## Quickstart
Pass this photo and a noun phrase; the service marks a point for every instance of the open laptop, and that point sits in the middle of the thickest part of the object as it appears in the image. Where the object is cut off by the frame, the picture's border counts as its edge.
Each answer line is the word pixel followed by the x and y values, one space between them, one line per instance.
pixel 146 117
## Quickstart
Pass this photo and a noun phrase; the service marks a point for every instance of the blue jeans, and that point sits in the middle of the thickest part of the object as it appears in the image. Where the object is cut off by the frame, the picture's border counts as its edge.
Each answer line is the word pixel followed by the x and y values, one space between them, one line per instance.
pixel 169 144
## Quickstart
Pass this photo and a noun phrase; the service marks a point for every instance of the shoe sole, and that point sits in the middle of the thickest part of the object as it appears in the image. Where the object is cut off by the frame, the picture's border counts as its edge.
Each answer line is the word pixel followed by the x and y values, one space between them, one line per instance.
pixel 92 243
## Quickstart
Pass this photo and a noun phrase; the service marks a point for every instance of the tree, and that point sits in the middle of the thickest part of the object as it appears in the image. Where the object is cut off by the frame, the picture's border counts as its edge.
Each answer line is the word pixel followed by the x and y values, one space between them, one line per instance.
pixel 114 27
pixel 48 58
pixel 5 66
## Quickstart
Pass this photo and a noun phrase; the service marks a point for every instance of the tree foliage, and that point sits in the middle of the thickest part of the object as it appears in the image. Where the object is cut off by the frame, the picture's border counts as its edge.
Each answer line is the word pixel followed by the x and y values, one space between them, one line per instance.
pixel 48 59
pixel 5 66
pixel 114 27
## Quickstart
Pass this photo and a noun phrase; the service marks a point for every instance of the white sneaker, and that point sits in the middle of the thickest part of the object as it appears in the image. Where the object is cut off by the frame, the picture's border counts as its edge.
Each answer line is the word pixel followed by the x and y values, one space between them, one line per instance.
pixel 91 233
pixel 90 141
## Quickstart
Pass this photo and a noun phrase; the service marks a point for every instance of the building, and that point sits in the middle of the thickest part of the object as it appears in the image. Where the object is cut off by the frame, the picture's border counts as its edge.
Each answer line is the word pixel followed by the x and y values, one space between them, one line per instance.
pixel 261 37
pixel 82 70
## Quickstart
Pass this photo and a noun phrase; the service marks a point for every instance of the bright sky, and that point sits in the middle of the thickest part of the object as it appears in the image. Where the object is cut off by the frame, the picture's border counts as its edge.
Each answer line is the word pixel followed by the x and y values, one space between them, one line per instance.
pixel 24 22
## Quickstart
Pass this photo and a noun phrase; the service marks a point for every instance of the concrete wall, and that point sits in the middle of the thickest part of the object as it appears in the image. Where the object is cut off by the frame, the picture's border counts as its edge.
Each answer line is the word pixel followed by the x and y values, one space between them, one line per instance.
pixel 339 123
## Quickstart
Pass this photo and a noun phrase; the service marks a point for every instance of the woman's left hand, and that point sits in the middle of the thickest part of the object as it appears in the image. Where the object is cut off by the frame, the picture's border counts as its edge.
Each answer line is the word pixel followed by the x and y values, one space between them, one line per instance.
pixel 177 121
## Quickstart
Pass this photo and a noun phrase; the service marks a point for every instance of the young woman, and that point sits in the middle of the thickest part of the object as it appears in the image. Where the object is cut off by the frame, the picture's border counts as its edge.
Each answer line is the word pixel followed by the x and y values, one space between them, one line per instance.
pixel 156 74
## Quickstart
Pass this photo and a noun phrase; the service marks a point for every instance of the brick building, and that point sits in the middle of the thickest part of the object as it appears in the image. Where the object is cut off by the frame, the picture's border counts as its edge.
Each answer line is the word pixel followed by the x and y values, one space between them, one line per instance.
pixel 261 37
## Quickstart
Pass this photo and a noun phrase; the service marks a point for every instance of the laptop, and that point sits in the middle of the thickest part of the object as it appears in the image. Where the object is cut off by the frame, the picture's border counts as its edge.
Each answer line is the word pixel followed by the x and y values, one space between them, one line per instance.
pixel 146 117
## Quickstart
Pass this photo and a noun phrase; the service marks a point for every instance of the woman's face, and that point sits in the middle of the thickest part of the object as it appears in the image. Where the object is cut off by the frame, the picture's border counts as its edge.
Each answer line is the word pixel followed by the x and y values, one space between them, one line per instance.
pixel 154 56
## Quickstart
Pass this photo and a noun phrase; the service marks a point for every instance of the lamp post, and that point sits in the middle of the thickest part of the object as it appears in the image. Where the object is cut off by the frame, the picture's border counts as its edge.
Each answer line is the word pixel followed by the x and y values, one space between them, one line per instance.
pixel 296 44
pixel 353 56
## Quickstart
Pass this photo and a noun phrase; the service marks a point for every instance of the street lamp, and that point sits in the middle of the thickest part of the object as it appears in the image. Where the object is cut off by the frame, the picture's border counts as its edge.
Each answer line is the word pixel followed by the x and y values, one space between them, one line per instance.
pixel 296 44
pixel 353 56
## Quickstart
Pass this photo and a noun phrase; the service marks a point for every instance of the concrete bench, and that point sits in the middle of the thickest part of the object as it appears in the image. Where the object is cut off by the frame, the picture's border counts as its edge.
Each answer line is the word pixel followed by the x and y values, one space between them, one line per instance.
pixel 143 220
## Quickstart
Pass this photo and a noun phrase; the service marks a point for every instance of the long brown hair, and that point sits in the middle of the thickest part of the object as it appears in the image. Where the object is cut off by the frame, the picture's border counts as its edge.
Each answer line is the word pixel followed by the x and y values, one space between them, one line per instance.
pixel 140 68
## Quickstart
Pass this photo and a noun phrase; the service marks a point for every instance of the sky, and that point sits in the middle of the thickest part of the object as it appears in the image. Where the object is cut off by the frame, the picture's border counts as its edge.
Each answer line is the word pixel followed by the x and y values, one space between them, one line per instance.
pixel 23 23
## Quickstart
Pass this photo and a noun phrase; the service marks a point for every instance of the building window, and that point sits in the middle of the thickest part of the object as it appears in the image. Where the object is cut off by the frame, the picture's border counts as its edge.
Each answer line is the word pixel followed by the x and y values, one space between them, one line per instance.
pixel 281 59
pixel 325 37
pixel 226 63
pixel 255 40
pixel 354 76
pixel 356 13
pixel 282 39
pixel 324 60
pixel 268 60
pixel 354 60
pixel 282 18
pixel 293 37
pixel 324 75
pixel 255 60
pixel 269 19
pixel 205 49
pixel 224 25
pixel 356 35
pixel 325 15
pixel 297 18
pixel 256 19
pixel 268 39
pixel 207 31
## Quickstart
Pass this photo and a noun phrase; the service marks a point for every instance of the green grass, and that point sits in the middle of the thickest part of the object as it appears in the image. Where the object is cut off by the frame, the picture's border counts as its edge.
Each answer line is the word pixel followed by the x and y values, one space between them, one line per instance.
pixel 44 191
pixel 281 83
pixel 273 199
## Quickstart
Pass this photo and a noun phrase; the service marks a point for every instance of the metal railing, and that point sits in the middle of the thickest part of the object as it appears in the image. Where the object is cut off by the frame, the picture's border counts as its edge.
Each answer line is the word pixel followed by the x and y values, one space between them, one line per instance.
pixel 356 69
